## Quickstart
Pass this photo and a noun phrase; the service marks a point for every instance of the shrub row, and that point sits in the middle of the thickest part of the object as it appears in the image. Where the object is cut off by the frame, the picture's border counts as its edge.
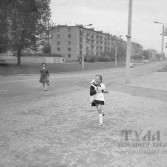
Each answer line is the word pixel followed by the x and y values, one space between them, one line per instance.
pixel 97 58
pixel 41 55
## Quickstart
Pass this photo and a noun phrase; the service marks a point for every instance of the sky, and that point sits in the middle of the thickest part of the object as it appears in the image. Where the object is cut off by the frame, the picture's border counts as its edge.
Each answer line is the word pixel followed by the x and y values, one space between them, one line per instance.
pixel 111 16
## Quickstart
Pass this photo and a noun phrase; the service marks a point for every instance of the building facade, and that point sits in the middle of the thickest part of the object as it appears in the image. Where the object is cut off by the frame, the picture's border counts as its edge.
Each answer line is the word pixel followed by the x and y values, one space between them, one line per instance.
pixel 74 41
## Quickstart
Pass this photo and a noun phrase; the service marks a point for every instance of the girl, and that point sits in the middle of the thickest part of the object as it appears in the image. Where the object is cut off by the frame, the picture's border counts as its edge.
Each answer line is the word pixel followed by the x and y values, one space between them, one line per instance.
pixel 97 90
pixel 44 76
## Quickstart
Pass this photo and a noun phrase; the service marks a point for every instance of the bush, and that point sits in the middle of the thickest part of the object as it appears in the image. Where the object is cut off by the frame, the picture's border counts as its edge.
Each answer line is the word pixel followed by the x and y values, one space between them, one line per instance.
pixel 41 55
pixel 47 49
pixel 90 58
pixel 103 58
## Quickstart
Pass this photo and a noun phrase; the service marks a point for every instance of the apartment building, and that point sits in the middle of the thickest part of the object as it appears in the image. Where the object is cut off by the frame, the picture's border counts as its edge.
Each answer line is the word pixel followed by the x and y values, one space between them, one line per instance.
pixel 74 41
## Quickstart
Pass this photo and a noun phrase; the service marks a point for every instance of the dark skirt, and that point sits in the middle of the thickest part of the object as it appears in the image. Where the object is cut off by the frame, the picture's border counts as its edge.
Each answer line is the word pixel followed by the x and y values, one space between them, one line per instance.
pixel 44 76
pixel 44 79
pixel 96 102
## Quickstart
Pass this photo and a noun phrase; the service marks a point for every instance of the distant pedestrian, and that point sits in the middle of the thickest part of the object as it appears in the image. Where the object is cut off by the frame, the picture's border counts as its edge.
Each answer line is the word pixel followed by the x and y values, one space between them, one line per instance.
pixel 97 90
pixel 44 76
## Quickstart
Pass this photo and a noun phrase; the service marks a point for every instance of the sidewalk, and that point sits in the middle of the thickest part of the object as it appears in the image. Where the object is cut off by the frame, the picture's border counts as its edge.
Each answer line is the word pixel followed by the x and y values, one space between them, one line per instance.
pixel 156 80
pixel 63 131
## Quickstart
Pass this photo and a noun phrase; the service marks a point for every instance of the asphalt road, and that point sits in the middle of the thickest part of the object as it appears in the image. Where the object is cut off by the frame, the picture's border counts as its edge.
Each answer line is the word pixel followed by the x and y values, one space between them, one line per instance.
pixel 17 89
pixel 58 127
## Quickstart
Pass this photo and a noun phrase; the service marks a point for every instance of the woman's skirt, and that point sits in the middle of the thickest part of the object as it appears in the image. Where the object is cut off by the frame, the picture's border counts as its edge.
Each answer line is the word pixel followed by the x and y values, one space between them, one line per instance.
pixel 44 79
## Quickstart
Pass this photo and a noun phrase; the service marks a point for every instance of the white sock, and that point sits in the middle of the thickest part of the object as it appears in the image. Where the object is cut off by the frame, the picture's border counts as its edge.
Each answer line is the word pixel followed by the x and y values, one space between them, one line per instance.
pixel 45 86
pixel 101 118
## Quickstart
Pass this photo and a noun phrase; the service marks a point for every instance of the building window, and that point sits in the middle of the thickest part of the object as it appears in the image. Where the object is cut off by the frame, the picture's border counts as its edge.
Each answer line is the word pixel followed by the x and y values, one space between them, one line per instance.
pixel 69 42
pixel 58 36
pixel 69 55
pixel 69 29
pixel 69 49
pixel 69 35
pixel 58 42
pixel 58 49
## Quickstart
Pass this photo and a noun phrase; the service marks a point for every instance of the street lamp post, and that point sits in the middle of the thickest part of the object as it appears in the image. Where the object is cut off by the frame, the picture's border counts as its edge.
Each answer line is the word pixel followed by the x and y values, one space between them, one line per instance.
pixel 162 45
pixel 162 42
pixel 128 52
pixel 116 51
pixel 82 55
pixel 115 44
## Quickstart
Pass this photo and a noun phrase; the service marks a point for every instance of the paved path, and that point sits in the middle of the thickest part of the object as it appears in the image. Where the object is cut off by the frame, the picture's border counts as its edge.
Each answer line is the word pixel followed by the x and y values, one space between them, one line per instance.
pixel 62 130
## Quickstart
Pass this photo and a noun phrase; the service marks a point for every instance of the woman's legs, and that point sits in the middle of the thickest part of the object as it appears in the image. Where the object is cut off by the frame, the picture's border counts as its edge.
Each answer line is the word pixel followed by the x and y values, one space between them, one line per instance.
pixel 102 111
pixel 44 86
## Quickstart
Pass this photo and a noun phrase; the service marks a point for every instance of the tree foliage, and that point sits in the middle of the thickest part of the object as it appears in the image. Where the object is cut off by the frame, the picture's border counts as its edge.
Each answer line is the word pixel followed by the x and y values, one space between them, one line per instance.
pixel 3 26
pixel 28 23
pixel 146 54
pixel 121 52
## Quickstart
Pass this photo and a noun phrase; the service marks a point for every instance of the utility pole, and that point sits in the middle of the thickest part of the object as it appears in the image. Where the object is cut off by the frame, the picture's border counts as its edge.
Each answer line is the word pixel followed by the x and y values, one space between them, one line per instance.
pixel 82 32
pixel 82 61
pixel 116 51
pixel 162 45
pixel 162 42
pixel 128 53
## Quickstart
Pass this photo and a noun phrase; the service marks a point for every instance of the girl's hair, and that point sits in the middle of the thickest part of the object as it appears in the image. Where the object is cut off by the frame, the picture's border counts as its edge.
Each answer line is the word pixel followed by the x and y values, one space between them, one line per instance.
pixel 43 64
pixel 101 78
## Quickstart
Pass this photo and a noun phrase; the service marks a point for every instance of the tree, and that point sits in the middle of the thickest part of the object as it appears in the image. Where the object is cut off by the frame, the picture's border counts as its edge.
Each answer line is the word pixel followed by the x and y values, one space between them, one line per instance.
pixel 28 24
pixel 3 26
pixel 121 52
pixel 146 54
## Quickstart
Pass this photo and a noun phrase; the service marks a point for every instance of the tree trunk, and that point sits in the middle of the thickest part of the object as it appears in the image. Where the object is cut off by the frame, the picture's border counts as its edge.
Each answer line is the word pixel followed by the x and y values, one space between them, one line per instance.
pixel 19 57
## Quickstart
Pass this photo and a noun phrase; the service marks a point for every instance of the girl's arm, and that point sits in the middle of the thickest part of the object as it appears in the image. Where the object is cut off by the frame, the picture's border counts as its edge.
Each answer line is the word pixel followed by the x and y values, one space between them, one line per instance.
pixel 92 90
pixel 105 91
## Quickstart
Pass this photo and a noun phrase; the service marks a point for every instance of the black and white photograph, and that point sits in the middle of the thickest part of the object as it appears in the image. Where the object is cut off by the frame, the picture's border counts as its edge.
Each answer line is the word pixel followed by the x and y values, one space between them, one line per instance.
pixel 83 83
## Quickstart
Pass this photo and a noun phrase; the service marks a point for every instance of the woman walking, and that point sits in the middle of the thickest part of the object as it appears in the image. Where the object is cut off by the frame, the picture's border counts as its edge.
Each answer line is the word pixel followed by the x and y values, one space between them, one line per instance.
pixel 44 76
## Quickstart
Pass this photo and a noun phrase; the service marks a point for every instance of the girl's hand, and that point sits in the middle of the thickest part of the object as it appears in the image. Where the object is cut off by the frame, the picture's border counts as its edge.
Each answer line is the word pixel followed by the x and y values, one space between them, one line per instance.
pixel 106 91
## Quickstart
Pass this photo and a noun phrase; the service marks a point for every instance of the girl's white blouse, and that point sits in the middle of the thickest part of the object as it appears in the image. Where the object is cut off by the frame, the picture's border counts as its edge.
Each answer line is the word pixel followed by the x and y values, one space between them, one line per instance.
pixel 99 95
